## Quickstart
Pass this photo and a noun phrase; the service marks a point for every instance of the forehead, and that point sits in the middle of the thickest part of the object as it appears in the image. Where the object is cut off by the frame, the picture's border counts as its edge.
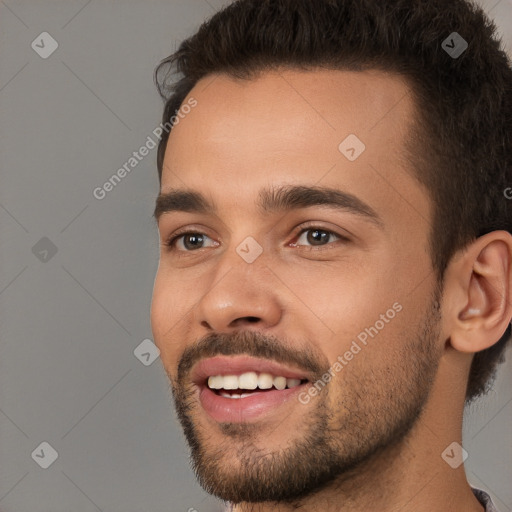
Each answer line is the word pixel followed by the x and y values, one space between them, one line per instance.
pixel 295 127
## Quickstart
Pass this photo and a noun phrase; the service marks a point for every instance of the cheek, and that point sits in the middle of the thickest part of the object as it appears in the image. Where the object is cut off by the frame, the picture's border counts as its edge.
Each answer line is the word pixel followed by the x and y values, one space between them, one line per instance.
pixel 344 296
pixel 369 307
pixel 368 357
pixel 168 309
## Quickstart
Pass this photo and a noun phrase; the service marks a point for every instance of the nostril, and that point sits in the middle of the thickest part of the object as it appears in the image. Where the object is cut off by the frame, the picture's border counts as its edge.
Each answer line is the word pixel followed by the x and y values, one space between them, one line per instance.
pixel 252 319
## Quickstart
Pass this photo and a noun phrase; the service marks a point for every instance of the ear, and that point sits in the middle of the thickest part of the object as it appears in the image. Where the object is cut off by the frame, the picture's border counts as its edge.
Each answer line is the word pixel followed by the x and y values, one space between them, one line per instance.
pixel 478 292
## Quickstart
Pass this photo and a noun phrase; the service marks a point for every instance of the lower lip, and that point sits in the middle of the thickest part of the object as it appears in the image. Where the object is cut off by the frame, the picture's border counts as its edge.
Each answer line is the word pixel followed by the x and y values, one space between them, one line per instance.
pixel 239 410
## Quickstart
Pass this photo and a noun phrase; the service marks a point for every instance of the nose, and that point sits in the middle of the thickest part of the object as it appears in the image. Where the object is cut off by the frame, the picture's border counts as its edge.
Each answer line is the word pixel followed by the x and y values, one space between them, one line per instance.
pixel 242 296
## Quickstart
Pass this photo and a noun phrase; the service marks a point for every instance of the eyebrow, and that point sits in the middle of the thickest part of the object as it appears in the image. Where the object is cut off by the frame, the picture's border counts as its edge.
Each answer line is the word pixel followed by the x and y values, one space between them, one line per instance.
pixel 270 200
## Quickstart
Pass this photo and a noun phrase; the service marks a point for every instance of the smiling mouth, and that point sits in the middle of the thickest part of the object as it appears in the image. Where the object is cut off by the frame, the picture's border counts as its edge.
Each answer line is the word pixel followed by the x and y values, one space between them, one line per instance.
pixel 238 389
pixel 250 384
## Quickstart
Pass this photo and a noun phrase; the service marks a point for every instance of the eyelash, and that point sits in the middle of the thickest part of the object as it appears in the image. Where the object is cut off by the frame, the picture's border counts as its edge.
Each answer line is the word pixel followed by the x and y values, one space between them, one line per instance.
pixel 170 243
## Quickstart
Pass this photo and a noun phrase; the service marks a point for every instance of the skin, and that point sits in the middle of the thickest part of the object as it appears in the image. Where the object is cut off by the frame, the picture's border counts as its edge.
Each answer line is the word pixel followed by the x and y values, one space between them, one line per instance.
pixel 285 128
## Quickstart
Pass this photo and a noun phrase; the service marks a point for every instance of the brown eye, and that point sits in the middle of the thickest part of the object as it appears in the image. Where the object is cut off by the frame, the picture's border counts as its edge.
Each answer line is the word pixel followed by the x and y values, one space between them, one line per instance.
pixel 188 242
pixel 193 241
pixel 316 237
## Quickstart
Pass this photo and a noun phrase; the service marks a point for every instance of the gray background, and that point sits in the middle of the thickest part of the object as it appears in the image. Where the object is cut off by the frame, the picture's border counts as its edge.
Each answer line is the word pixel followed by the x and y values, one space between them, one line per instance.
pixel 69 325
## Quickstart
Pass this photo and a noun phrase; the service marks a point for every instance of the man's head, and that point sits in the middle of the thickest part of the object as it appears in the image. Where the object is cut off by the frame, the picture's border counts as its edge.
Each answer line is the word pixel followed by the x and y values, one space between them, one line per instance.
pixel 352 212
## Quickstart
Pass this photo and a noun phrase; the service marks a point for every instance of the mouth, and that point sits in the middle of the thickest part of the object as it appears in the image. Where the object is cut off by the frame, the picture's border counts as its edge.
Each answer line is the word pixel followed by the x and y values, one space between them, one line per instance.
pixel 243 389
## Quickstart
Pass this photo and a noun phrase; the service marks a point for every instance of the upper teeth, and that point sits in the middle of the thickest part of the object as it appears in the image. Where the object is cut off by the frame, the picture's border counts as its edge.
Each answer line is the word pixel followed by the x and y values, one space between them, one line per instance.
pixel 250 380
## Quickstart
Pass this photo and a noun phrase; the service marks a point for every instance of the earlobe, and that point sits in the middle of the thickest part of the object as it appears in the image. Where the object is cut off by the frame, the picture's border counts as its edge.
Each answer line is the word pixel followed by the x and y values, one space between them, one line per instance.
pixel 484 282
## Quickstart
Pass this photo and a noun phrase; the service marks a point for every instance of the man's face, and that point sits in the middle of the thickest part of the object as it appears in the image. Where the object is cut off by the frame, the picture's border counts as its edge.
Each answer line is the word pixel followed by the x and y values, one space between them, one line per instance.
pixel 302 287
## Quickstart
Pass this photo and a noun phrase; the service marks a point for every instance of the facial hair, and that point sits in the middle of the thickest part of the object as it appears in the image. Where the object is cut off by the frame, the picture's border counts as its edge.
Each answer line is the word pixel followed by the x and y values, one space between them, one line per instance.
pixel 377 406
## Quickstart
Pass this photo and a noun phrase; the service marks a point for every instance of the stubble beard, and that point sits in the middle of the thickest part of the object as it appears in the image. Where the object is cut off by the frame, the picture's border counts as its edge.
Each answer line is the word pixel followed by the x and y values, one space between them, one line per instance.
pixel 376 409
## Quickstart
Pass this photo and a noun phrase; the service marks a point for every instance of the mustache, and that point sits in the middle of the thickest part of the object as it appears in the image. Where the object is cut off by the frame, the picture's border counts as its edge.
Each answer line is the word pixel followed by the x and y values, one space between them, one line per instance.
pixel 255 344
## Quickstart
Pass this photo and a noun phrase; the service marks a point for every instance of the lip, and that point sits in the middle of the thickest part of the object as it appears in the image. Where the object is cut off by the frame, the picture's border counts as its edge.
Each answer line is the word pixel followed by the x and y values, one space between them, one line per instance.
pixel 250 408
pixel 256 406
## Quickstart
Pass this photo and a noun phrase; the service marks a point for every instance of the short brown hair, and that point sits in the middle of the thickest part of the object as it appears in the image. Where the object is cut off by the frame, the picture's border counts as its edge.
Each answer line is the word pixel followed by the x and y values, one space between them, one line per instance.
pixel 460 146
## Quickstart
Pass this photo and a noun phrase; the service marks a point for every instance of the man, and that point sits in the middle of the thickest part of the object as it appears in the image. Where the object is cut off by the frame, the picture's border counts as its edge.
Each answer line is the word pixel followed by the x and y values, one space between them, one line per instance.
pixel 335 271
